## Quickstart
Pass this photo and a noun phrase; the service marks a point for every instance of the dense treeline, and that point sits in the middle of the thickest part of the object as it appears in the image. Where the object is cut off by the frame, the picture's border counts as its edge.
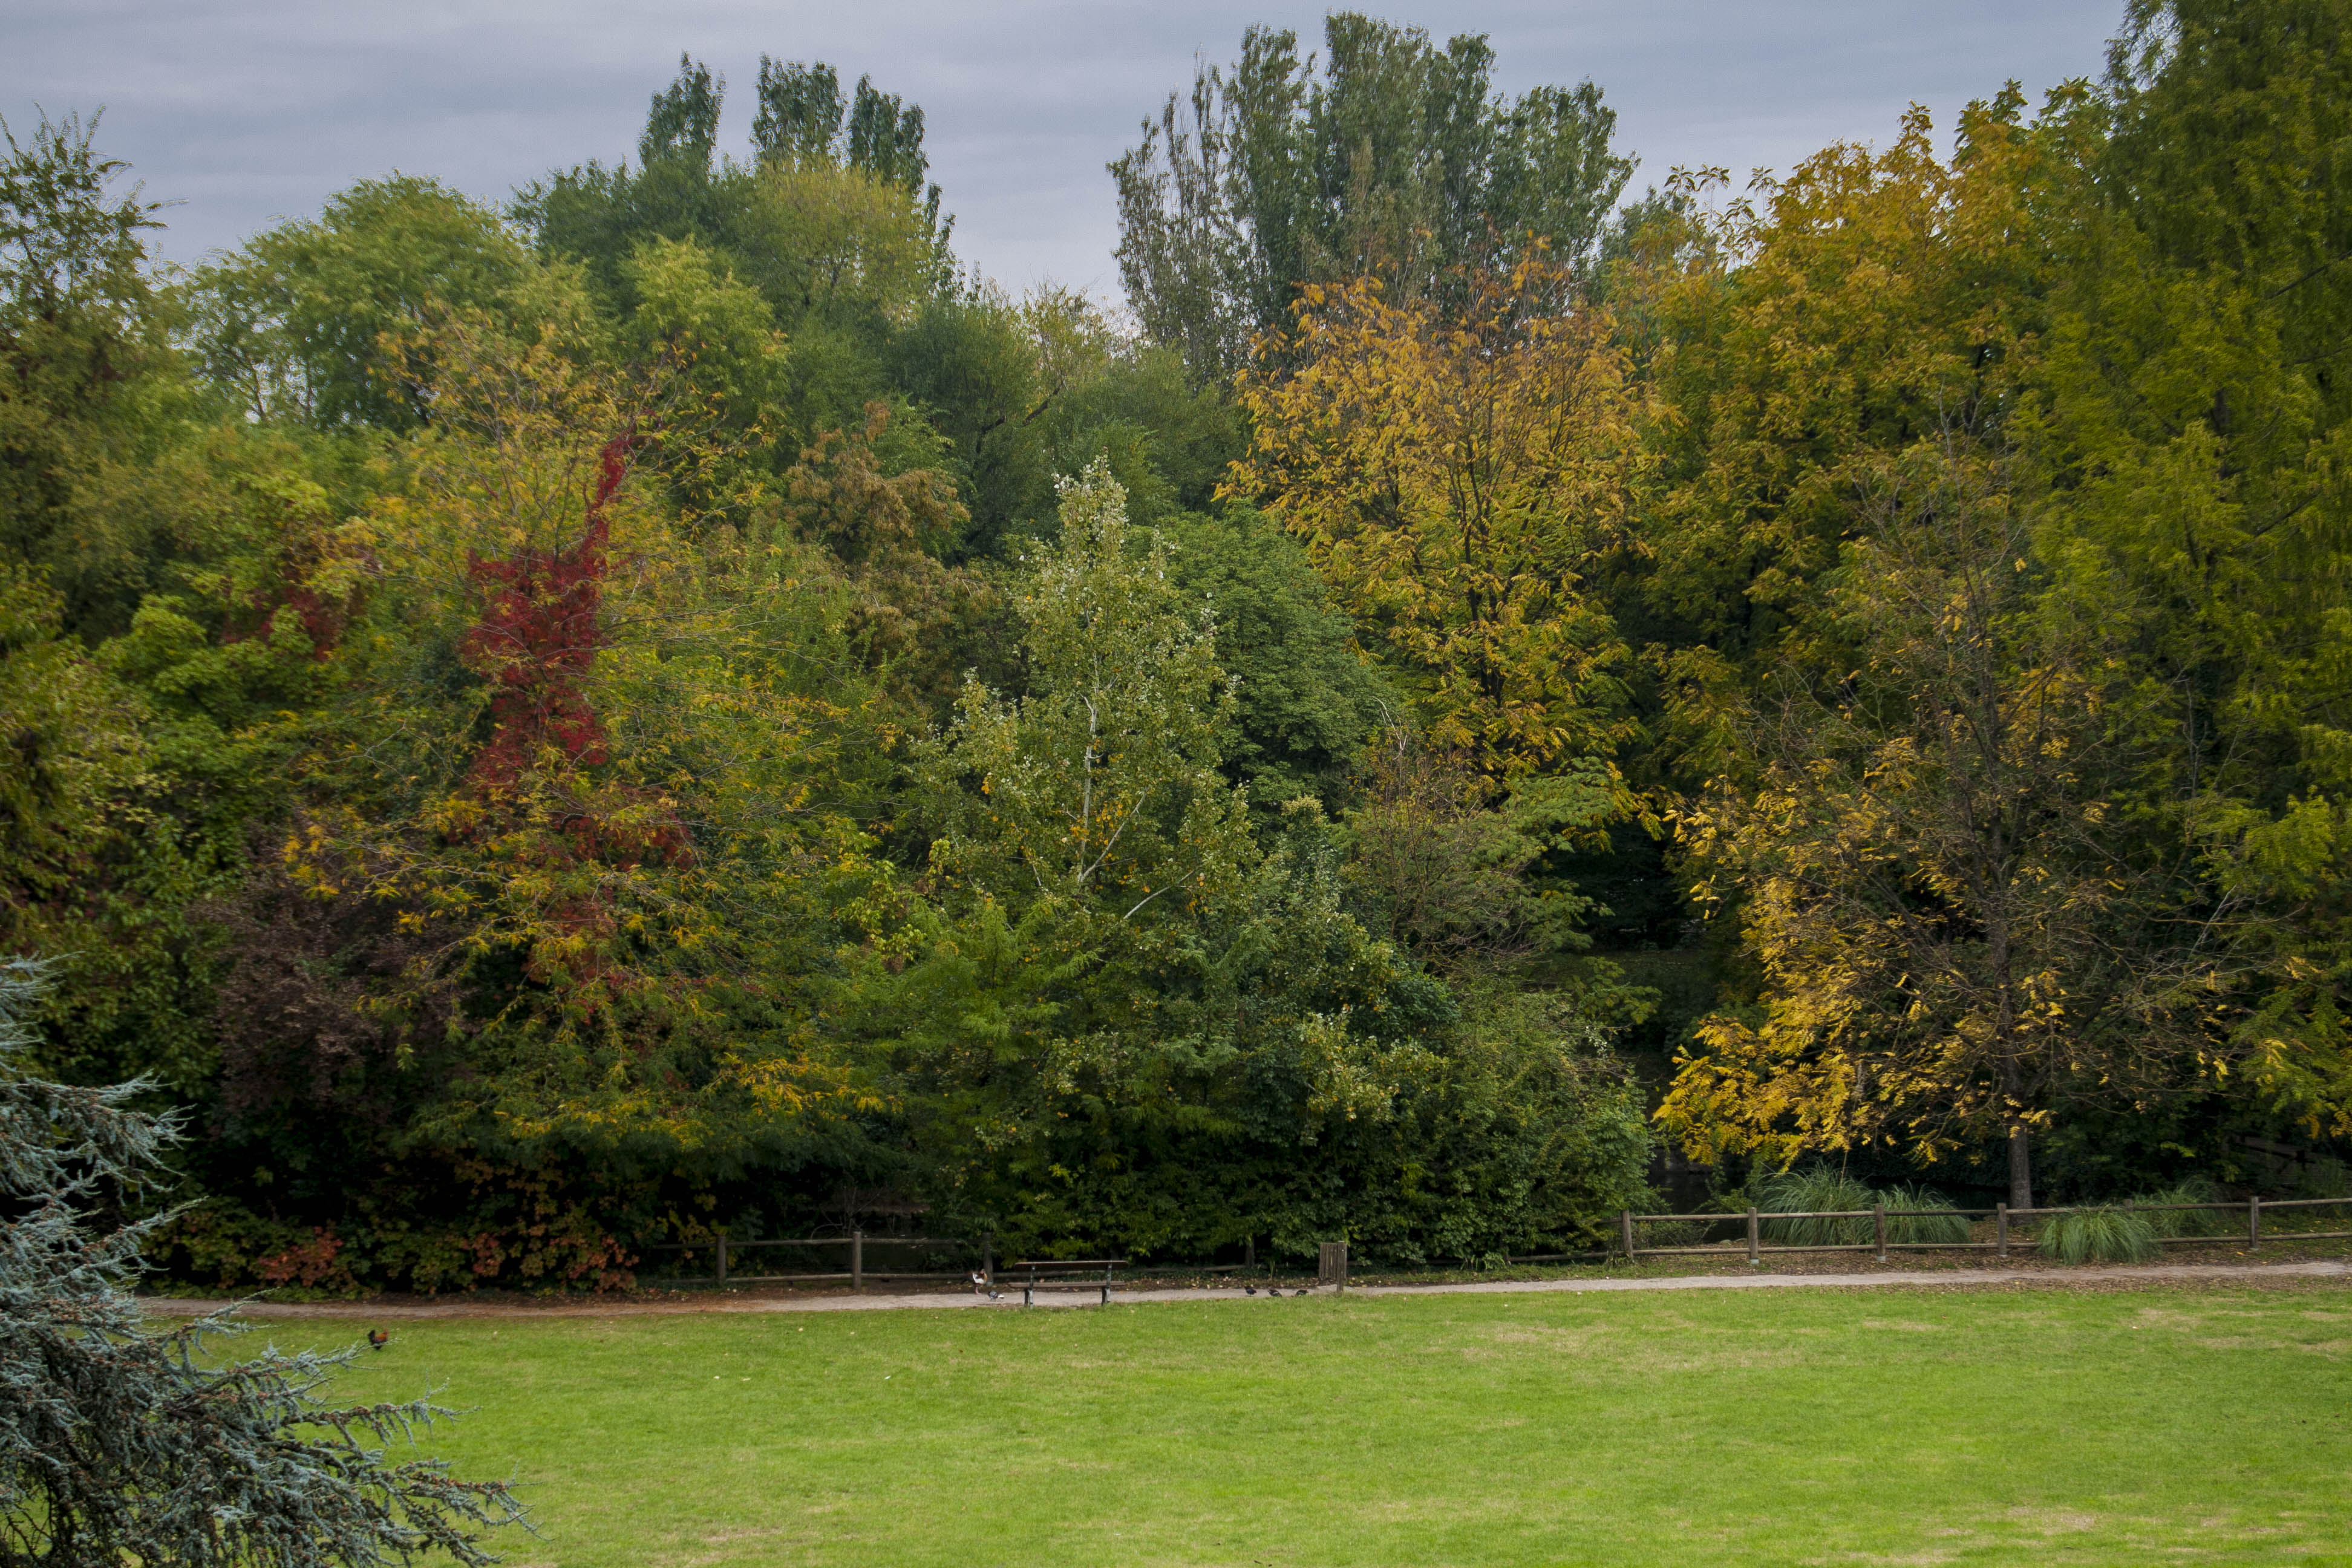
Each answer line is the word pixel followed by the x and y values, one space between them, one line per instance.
pixel 673 706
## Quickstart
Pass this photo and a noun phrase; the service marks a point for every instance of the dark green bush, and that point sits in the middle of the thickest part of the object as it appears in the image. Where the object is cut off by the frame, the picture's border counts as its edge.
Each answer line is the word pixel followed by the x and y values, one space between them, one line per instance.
pixel 1671 1232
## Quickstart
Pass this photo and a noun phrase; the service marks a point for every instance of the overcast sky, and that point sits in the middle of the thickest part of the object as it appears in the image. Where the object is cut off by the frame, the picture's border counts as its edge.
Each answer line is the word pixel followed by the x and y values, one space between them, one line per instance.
pixel 244 112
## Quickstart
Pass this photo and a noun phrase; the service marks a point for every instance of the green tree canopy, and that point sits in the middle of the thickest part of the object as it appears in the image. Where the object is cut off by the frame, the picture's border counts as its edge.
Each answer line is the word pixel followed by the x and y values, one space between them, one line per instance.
pixel 1389 156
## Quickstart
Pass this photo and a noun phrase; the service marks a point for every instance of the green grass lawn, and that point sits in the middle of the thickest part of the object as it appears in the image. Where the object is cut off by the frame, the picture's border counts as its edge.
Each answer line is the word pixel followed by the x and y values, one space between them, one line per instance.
pixel 1719 1427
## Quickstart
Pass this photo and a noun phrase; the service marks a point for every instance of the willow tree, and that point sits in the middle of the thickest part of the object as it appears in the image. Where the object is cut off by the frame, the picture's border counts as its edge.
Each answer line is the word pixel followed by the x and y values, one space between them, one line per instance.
pixel 1100 790
pixel 1105 959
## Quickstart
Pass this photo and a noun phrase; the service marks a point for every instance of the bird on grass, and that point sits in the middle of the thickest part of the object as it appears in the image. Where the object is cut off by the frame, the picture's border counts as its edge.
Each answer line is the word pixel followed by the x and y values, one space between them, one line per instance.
pixel 378 1339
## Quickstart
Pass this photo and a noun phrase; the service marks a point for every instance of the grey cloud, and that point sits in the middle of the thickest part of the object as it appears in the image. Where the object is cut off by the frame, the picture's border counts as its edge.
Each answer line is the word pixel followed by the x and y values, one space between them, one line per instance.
pixel 242 113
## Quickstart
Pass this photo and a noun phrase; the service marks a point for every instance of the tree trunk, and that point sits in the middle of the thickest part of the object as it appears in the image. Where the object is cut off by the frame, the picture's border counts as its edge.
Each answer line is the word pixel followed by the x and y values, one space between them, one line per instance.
pixel 2020 1157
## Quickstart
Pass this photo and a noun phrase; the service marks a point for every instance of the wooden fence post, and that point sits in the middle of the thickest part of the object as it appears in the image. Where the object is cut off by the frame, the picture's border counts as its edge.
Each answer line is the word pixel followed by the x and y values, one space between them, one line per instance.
pixel 2254 1221
pixel 1331 1265
pixel 722 1258
pixel 1626 1216
pixel 857 1260
pixel 2001 1231
pixel 1878 1228
pixel 1752 1236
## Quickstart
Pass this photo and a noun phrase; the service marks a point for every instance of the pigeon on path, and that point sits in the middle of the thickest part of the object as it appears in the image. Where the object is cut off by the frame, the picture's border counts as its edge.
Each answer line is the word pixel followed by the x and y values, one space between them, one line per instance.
pixel 378 1339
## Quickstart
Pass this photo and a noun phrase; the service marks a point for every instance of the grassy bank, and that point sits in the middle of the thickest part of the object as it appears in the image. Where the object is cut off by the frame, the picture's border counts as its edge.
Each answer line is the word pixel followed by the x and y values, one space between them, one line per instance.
pixel 1925 1426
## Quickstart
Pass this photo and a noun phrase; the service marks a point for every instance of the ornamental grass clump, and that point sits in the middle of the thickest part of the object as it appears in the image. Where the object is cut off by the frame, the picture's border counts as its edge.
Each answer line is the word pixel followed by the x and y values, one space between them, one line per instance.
pixel 1820 1188
pixel 2165 1221
pixel 2324 1176
pixel 1932 1229
pixel 2097 1236
pixel 1810 1190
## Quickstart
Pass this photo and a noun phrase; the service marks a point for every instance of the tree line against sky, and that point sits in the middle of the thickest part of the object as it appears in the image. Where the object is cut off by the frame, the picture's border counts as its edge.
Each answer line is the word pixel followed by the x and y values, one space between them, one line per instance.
pixel 672 705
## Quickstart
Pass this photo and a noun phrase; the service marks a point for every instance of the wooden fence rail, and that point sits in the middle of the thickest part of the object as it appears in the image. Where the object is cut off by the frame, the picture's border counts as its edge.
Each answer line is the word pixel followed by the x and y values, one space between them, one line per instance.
pixel 724 1249
pixel 2001 1214
pixel 720 1246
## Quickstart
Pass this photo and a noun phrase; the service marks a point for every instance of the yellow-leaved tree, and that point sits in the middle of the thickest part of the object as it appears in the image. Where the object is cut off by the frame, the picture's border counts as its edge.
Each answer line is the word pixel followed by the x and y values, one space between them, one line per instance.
pixel 1932 871
pixel 1935 780
pixel 1457 475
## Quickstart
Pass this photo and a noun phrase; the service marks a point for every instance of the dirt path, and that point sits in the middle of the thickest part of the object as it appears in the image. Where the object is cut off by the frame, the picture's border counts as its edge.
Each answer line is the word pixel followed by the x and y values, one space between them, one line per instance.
pixel 2254 1273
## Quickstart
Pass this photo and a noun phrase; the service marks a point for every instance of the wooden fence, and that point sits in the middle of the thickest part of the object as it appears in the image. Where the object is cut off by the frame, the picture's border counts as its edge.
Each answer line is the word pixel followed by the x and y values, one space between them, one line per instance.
pixel 722 1250
pixel 1332 1266
pixel 2001 1215
pixel 725 1252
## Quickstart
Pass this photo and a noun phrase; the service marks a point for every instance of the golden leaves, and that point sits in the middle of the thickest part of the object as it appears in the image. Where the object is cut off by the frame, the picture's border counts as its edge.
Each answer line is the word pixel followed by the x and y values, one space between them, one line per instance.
pixel 1455 476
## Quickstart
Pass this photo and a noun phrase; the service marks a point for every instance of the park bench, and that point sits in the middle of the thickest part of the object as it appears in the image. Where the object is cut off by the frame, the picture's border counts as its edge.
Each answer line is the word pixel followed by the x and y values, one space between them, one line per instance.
pixel 1054 1274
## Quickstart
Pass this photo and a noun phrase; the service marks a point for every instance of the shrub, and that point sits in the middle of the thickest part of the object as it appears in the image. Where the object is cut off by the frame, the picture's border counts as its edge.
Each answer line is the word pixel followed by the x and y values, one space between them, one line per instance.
pixel 1672 1233
pixel 2098 1235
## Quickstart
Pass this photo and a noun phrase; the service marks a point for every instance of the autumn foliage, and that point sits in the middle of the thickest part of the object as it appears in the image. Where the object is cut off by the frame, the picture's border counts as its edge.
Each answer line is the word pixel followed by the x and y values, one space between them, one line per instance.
pixel 537 641
pixel 668 705
pixel 1457 476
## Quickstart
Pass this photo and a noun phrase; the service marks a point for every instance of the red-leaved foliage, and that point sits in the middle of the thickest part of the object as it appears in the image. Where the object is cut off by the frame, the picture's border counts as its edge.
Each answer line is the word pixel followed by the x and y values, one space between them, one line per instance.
pixel 310 1263
pixel 322 619
pixel 537 640
pixel 538 636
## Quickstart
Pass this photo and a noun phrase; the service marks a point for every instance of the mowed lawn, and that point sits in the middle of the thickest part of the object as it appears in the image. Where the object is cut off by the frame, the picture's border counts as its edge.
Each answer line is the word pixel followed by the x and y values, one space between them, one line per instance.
pixel 1716 1427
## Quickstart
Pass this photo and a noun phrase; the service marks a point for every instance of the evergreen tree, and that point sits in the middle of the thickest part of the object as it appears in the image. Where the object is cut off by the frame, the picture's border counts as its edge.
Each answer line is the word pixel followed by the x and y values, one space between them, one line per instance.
pixel 120 1444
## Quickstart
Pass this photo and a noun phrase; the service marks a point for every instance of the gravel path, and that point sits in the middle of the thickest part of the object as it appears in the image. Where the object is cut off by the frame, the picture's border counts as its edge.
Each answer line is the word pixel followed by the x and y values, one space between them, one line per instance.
pixel 2254 1273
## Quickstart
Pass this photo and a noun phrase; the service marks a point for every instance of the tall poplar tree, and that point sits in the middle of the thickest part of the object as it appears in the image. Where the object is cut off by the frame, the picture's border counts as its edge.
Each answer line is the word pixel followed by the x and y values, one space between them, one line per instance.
pixel 1389 156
